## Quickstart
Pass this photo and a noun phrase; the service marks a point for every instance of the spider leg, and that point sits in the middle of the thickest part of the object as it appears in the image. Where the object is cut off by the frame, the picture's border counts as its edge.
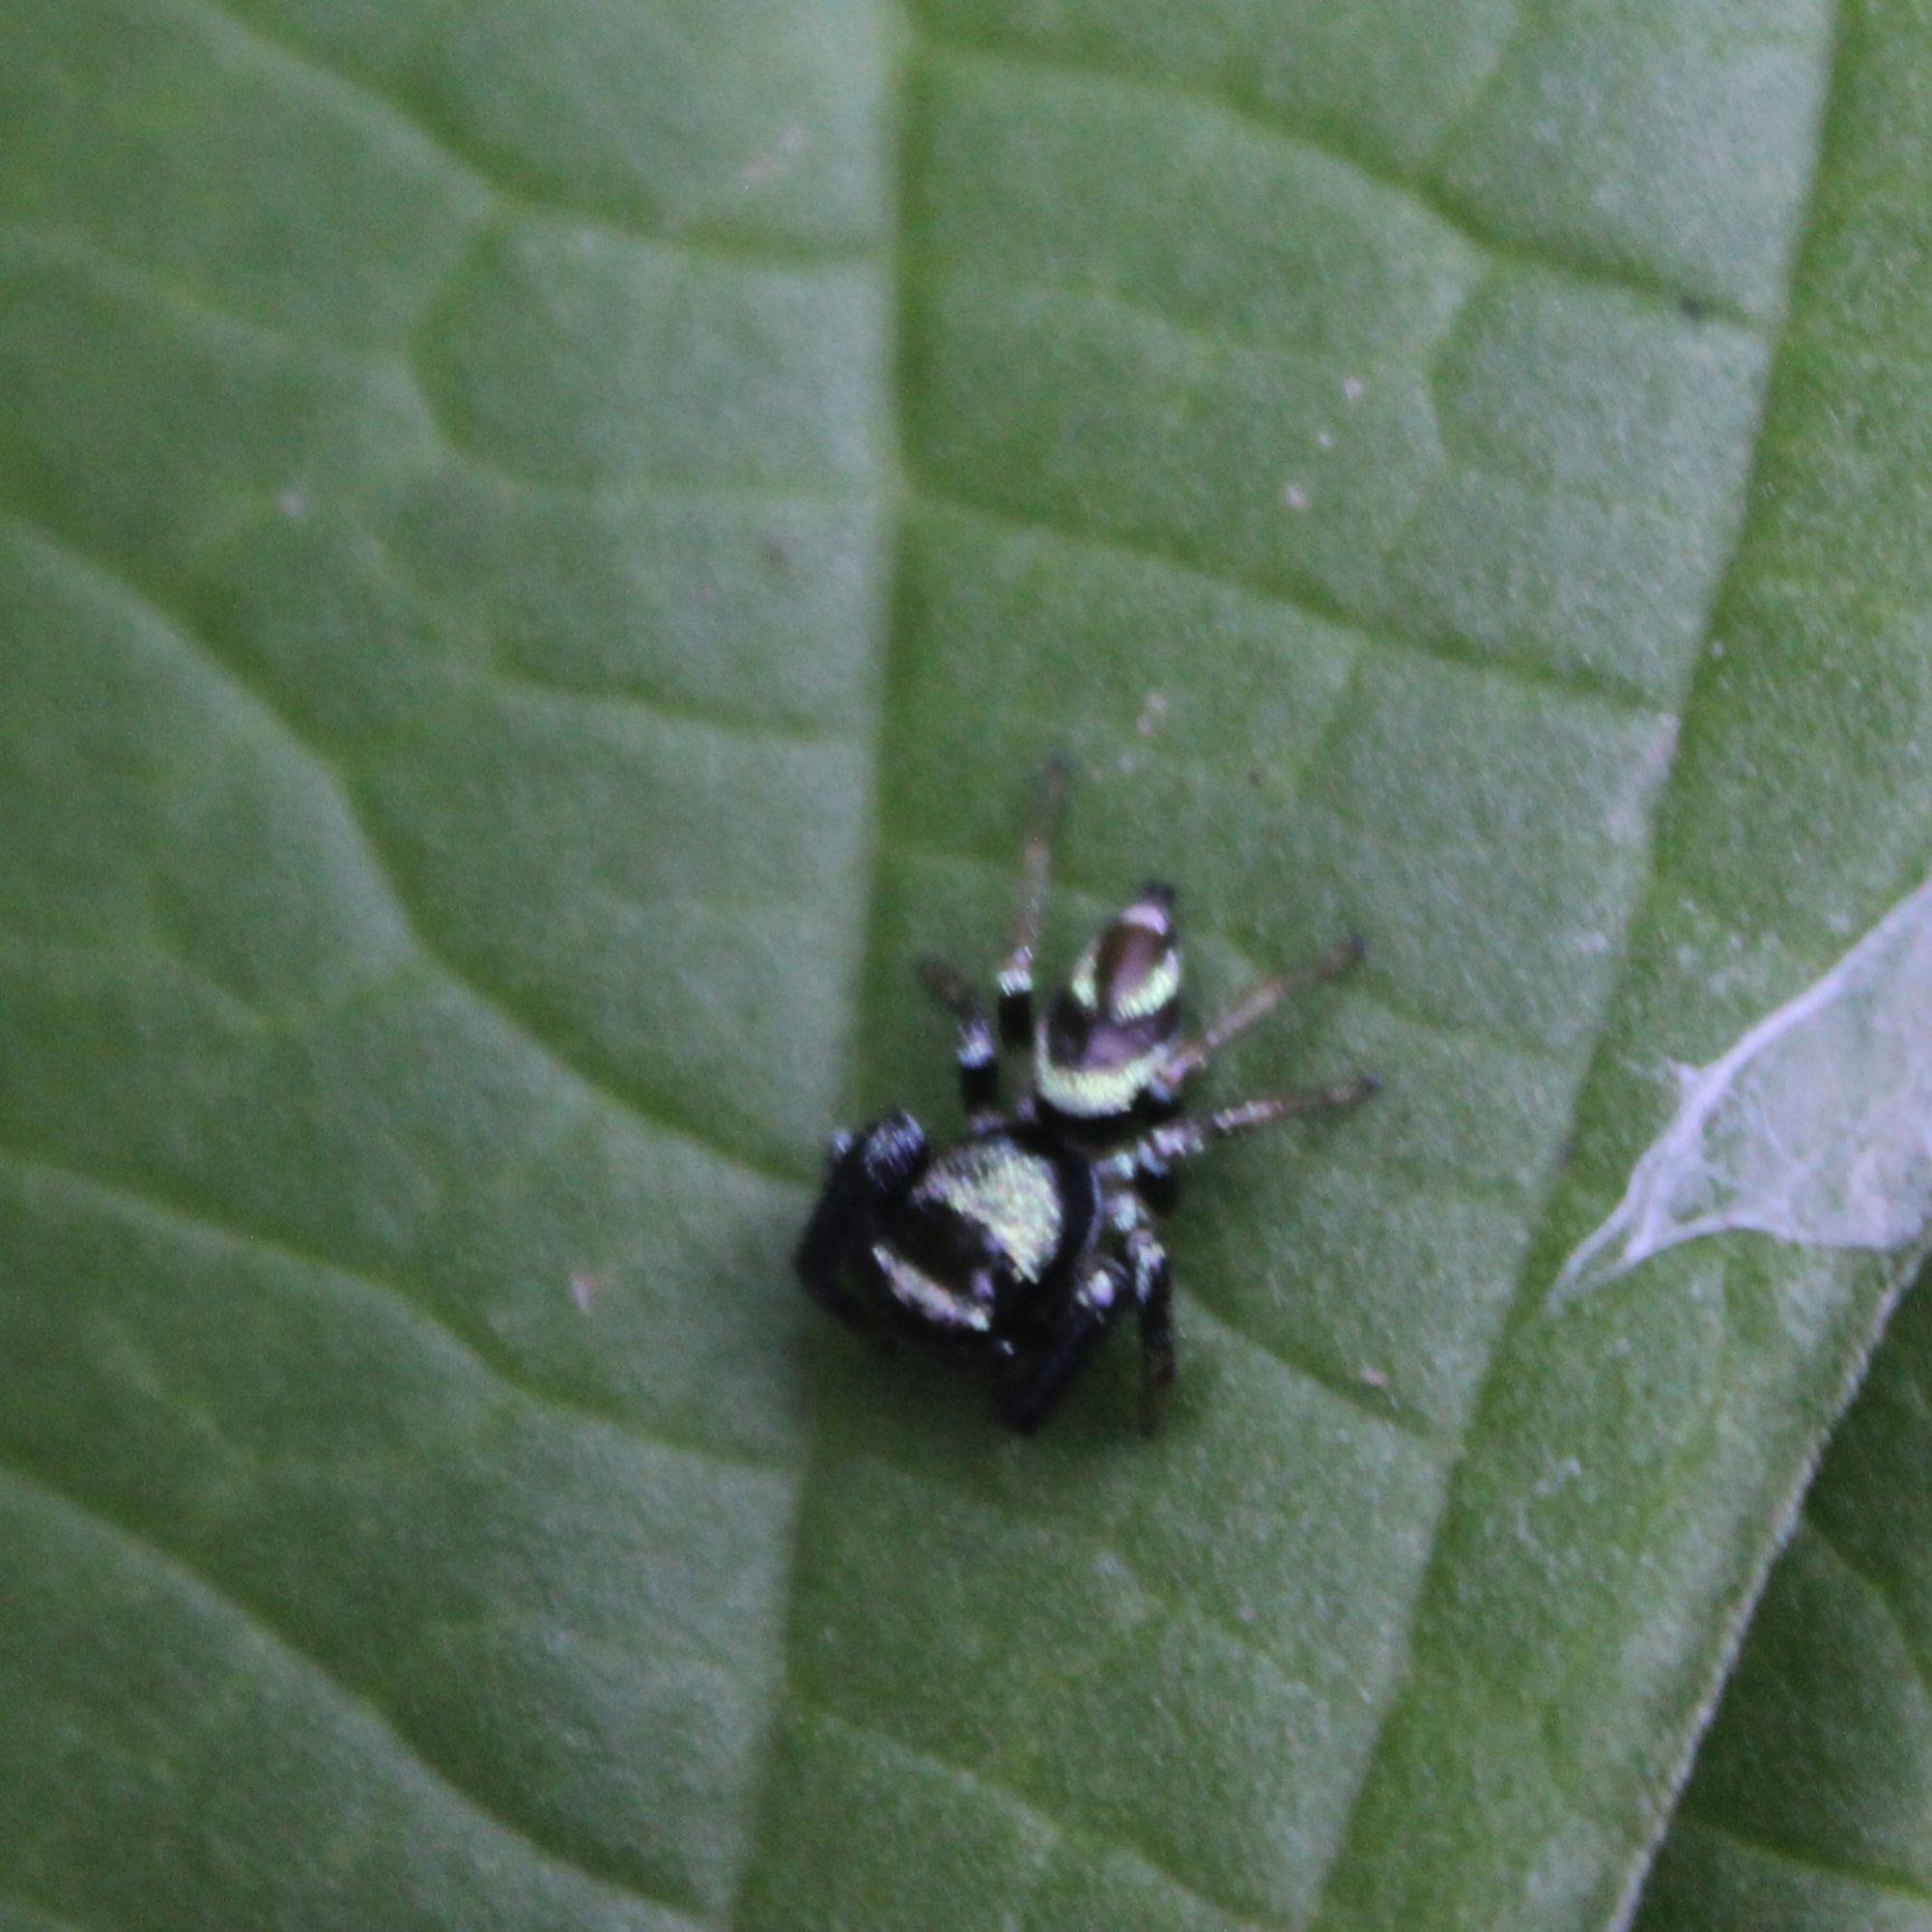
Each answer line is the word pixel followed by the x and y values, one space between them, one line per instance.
pixel 1157 1184
pixel 865 1173
pixel 1191 1135
pixel 1191 1056
pixel 1015 975
pixel 978 1057
pixel 1095 1306
pixel 820 1260
pixel 1153 1296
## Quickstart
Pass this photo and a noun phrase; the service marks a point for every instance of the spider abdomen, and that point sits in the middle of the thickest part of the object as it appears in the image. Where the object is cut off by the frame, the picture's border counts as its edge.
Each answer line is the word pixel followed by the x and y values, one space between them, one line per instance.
pixel 994 1223
pixel 1012 1198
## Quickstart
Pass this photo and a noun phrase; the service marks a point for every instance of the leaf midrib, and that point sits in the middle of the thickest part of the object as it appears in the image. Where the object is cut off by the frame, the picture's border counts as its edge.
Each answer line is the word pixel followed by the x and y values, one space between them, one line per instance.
pixel 909 493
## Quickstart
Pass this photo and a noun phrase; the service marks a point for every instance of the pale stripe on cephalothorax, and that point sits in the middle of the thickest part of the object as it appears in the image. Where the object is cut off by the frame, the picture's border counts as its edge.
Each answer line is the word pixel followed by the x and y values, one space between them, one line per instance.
pixel 1095 1093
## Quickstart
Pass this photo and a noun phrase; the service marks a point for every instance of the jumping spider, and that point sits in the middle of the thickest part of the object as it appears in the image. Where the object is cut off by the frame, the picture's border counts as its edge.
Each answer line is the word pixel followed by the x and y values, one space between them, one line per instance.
pixel 1019 1247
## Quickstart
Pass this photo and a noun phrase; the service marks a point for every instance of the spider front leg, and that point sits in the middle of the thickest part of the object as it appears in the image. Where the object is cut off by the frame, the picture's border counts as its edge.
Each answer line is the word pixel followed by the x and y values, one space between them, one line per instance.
pixel 976 1054
pixel 1159 1184
pixel 1080 1327
pixel 1191 1055
pixel 1191 1135
pixel 1015 975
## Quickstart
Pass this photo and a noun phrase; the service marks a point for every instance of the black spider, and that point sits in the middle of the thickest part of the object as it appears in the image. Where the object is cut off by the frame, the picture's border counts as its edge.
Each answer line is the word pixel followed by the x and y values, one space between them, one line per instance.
pixel 1021 1246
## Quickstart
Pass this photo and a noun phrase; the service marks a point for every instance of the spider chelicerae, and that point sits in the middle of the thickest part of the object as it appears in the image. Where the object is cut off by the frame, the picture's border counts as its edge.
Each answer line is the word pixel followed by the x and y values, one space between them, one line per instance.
pixel 1019 1246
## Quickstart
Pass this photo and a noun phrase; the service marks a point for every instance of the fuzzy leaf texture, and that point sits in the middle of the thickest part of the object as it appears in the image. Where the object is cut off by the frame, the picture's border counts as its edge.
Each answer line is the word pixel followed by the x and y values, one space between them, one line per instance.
pixel 1809 1809
pixel 541 544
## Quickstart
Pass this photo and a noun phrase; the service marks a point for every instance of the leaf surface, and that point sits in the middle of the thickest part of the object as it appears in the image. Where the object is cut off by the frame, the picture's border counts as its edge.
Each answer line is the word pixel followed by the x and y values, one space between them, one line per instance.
pixel 1809 1803
pixel 540 547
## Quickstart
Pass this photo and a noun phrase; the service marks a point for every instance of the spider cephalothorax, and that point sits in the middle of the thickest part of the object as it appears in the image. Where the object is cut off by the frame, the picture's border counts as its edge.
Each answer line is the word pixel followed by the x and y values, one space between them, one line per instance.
pixel 1019 1246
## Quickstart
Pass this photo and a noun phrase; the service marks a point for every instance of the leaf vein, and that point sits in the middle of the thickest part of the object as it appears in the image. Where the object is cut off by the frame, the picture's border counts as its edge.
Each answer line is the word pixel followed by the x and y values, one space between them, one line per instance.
pixel 488 174
pixel 1895 1884
pixel 146 1204
pixel 653 1112
pixel 1303 594
pixel 302 1664
pixel 1178 1607
pixel 1455 217
pixel 978 1781
pixel 195 308
pixel 522 681
pixel 1376 1406
pixel 1882 1593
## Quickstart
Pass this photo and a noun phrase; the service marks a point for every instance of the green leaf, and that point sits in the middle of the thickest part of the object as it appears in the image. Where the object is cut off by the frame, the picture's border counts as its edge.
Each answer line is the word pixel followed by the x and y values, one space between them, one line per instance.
pixel 1810 1804
pixel 540 549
